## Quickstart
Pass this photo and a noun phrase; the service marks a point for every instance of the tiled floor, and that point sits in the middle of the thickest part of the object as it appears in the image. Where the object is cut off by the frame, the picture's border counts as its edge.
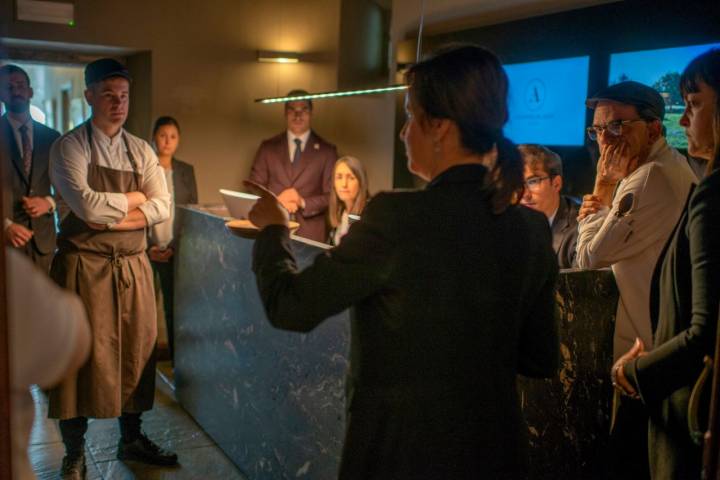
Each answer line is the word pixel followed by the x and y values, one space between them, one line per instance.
pixel 167 424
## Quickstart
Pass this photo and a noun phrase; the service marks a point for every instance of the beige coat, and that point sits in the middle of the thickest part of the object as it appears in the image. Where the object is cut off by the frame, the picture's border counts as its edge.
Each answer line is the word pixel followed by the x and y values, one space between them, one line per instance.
pixel 631 244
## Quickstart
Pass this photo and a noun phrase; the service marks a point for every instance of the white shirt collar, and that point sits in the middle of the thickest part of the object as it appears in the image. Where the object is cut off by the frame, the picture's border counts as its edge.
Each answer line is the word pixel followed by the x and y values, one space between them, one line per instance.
pixel 16 125
pixel 104 139
pixel 551 218
pixel 303 139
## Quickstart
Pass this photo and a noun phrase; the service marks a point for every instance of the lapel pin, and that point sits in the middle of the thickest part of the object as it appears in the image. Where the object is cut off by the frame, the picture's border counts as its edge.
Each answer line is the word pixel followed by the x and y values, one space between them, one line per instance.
pixel 316 146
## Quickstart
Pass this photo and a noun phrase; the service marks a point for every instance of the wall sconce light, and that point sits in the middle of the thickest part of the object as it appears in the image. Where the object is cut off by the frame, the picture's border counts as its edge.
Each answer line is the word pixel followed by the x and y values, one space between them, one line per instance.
pixel 266 56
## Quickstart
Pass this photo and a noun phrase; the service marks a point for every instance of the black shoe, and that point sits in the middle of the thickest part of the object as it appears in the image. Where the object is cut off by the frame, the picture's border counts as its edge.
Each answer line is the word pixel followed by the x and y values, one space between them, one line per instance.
pixel 142 449
pixel 73 467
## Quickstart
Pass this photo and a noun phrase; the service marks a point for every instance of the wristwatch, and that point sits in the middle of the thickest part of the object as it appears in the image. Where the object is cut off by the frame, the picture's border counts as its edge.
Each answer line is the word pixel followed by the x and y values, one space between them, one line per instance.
pixel 108 226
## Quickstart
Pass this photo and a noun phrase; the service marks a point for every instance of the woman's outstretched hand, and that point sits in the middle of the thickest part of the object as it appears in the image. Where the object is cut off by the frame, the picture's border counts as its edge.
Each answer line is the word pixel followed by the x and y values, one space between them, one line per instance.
pixel 267 210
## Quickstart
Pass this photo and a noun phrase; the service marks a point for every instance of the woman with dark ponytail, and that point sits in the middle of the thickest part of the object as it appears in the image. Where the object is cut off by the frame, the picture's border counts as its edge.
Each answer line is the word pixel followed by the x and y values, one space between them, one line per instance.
pixel 452 289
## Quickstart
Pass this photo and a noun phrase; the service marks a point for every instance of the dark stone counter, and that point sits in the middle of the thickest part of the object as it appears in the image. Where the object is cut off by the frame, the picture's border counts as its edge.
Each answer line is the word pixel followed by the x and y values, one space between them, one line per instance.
pixel 274 400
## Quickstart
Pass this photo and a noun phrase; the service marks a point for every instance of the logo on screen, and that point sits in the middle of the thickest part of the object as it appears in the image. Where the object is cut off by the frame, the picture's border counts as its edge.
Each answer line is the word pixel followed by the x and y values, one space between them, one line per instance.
pixel 535 93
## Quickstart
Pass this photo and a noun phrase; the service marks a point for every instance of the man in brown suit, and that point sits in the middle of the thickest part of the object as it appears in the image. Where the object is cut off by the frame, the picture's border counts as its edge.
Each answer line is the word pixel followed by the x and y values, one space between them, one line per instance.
pixel 297 166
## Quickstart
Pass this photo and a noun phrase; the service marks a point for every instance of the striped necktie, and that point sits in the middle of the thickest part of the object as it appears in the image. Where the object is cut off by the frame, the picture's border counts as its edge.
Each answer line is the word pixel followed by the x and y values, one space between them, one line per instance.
pixel 26 149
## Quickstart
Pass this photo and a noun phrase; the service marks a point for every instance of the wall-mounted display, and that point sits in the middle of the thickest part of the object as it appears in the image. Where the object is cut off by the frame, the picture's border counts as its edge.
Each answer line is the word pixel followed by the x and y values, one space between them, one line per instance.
pixel 547 101
pixel 661 70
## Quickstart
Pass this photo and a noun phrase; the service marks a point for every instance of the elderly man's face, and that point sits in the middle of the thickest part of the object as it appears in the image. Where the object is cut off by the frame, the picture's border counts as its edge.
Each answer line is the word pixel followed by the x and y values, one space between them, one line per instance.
pixel 298 115
pixel 15 92
pixel 637 134
pixel 542 192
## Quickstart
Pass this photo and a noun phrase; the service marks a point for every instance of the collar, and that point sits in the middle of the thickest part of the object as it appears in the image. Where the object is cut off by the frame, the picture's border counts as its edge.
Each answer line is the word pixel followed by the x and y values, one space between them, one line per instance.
pixel 470 173
pixel 303 138
pixel 16 125
pixel 551 218
pixel 103 139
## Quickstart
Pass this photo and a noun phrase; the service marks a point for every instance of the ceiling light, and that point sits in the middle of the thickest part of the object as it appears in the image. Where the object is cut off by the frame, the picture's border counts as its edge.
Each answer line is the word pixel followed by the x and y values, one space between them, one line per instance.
pixel 345 93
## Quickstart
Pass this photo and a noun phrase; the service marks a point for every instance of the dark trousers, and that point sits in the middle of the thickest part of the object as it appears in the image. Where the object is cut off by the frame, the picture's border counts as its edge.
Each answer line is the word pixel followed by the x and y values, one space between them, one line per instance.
pixel 42 261
pixel 629 442
pixel 165 273
pixel 73 431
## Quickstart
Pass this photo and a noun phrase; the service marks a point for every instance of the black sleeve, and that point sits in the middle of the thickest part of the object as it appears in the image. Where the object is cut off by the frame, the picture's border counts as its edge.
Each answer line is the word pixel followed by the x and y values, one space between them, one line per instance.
pixel 672 365
pixel 539 343
pixel 300 300
pixel 192 185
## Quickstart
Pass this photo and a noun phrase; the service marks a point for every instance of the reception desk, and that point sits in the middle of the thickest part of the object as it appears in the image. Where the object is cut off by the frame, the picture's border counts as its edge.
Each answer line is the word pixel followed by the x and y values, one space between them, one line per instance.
pixel 274 400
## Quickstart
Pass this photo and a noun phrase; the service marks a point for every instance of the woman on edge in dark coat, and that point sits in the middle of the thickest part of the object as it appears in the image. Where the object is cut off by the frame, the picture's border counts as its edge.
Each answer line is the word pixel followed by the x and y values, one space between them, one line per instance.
pixel 451 288
pixel 163 240
pixel 686 313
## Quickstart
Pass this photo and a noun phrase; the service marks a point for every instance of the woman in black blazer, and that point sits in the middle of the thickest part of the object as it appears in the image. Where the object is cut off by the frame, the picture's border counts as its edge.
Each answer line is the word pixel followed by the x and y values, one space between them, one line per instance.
pixel 688 287
pixel 451 288
pixel 180 178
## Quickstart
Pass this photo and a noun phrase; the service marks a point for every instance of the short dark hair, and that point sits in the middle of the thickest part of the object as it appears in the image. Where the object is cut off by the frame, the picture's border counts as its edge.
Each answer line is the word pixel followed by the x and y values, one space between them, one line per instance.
pixel 467 84
pixel 10 69
pixel 166 120
pixel 538 155
pixel 298 93
pixel 706 68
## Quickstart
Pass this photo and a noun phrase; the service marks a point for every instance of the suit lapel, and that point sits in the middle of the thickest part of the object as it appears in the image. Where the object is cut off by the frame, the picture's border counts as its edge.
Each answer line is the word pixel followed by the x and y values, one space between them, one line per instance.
pixel 284 156
pixel 560 222
pixel 305 157
pixel 14 151
pixel 35 168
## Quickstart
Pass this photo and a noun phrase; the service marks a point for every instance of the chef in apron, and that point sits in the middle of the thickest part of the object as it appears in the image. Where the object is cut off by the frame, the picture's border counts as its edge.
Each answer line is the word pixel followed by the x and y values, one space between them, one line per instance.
pixel 113 188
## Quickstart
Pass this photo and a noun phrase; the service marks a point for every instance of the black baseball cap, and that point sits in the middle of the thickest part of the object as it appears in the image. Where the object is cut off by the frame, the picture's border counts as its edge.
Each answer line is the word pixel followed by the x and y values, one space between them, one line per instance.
pixel 631 93
pixel 105 68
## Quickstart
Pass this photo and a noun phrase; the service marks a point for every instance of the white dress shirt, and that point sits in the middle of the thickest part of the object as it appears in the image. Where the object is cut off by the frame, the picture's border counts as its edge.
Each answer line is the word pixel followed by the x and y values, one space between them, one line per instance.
pixel 631 243
pixel 69 160
pixel 291 142
pixel 161 234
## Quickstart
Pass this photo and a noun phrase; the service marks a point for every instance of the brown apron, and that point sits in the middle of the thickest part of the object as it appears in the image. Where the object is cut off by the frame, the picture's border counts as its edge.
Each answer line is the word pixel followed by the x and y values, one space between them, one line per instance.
pixel 111 273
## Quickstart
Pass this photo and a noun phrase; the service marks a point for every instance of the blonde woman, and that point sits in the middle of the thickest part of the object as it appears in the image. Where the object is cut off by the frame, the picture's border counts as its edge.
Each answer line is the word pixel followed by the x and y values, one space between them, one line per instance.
pixel 348 197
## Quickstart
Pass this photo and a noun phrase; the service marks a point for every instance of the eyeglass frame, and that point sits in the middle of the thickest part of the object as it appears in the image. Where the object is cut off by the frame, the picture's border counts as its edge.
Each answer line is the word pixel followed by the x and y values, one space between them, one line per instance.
pixel 592 131
pixel 536 181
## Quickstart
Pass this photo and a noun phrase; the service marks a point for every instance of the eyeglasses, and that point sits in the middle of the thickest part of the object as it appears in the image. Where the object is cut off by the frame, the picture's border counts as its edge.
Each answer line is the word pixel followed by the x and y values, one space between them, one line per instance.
pixel 614 128
pixel 533 183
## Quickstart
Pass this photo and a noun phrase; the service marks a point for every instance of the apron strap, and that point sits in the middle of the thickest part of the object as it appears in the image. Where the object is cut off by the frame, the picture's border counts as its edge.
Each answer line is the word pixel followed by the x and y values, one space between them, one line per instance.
pixel 131 157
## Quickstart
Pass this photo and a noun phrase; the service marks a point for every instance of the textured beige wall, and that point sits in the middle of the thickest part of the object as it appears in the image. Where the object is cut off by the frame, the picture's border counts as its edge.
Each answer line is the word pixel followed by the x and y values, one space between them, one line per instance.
pixel 204 73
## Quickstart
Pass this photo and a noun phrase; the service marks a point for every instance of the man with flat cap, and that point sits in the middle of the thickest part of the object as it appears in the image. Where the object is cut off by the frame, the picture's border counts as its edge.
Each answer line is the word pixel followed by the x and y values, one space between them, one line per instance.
pixel 640 191
pixel 297 166
pixel 114 188
pixel 30 227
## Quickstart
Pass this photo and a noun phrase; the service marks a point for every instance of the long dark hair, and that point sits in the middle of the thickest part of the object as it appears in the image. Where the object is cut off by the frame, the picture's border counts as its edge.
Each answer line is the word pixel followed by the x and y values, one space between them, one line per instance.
pixel 337 206
pixel 467 84
pixel 706 68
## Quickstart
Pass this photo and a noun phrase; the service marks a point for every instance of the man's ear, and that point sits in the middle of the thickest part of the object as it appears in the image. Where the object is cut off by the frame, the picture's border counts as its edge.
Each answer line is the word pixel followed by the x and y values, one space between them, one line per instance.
pixel 32 92
pixel 557 183
pixel 88 96
pixel 655 129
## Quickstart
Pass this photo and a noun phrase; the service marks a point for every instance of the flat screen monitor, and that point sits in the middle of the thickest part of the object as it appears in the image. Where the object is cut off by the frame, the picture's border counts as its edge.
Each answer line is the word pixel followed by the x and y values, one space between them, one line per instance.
pixel 661 70
pixel 547 101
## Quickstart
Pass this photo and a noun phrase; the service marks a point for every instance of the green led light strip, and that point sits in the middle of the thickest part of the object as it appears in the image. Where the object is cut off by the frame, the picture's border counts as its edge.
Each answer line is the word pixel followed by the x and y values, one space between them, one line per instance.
pixel 347 93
